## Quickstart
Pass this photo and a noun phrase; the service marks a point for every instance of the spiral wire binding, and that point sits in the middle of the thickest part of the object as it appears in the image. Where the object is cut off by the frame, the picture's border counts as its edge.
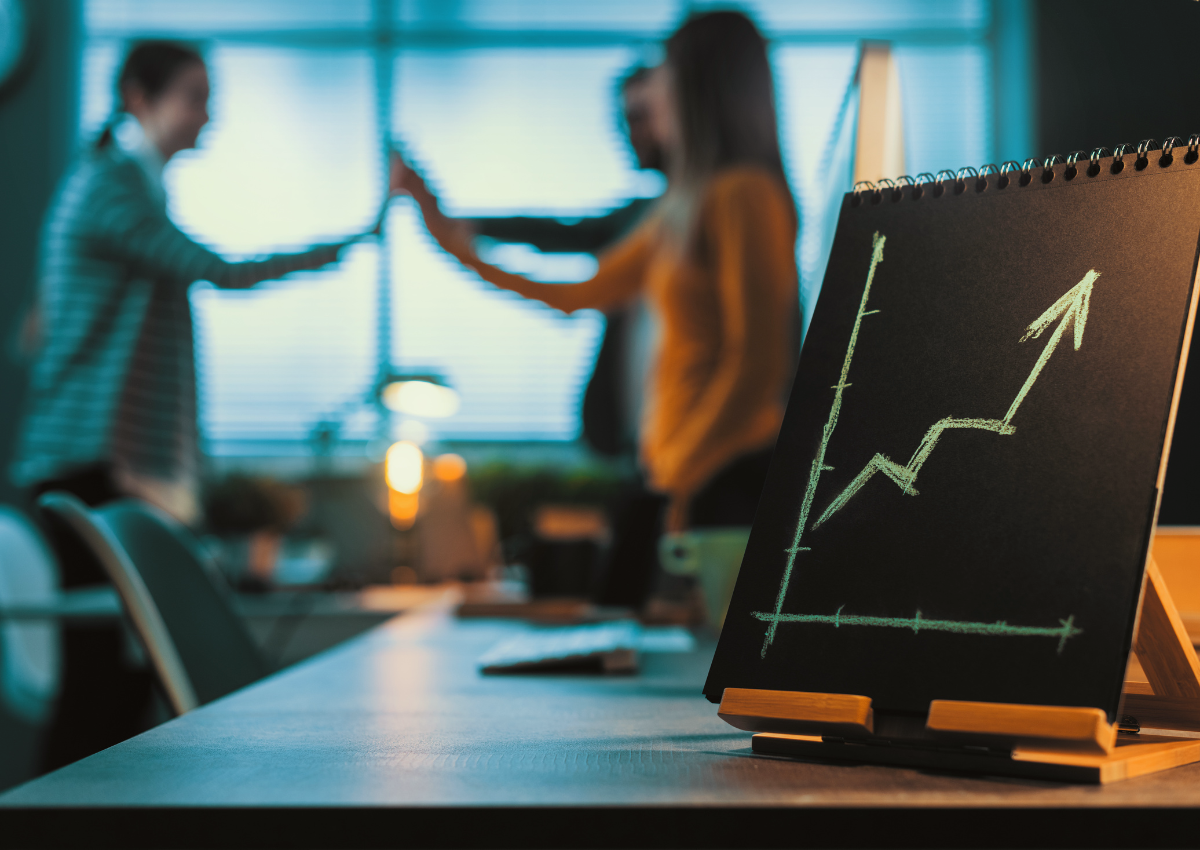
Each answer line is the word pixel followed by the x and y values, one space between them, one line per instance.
pixel 902 181
pixel 1142 159
pixel 922 180
pixel 895 188
pixel 981 180
pixel 1072 168
pixel 1048 167
pixel 1009 165
pixel 1025 169
pixel 1168 150
pixel 939 182
pixel 960 178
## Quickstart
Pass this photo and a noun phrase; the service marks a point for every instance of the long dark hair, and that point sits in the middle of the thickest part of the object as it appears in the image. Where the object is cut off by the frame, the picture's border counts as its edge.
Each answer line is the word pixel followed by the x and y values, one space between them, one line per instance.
pixel 725 98
pixel 151 66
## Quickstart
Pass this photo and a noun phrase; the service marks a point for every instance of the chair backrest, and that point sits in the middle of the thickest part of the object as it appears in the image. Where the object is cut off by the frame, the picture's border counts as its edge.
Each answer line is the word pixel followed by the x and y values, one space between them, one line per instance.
pixel 213 641
pixel 76 518
pixel 216 652
pixel 30 651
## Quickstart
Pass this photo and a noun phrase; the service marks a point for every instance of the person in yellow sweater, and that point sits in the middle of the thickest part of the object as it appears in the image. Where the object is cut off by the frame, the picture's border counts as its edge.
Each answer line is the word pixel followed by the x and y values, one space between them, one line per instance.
pixel 716 261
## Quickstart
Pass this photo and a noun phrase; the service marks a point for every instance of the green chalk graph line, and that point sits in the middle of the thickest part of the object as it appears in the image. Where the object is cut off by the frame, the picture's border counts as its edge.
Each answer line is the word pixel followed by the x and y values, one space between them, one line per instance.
pixel 818 464
pixel 1070 309
pixel 1064 631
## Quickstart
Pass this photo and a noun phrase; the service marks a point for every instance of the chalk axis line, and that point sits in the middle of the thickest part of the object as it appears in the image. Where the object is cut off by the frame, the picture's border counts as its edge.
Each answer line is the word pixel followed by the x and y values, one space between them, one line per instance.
pixel 1070 309
pixel 919 624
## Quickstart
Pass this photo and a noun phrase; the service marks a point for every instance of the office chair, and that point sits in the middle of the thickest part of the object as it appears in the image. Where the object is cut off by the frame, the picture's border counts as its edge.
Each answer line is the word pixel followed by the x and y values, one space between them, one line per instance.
pixel 197 644
pixel 30 649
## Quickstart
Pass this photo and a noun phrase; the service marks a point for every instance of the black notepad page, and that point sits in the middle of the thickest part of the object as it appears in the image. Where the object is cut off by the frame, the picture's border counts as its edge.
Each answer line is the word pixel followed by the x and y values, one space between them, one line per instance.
pixel 989 425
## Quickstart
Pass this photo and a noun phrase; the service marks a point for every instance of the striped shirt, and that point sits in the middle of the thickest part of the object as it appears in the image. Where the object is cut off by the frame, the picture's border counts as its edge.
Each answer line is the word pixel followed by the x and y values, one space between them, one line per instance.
pixel 114 381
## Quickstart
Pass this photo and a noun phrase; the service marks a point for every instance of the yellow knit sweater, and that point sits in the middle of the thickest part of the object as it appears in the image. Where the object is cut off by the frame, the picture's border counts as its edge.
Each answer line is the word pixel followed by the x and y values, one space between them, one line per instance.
pixel 726 308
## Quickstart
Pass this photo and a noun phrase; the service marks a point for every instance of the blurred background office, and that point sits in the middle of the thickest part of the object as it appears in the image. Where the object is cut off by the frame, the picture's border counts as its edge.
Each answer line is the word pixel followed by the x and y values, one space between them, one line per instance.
pixel 354 423
pixel 510 106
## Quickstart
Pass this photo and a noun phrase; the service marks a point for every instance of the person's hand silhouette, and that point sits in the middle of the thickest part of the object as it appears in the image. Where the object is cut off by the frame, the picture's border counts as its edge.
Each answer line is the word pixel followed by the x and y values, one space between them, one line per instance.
pixel 454 235
pixel 401 178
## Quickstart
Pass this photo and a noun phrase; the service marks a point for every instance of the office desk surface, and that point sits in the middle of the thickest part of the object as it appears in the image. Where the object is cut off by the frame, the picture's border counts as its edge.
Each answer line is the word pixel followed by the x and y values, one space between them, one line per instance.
pixel 394 739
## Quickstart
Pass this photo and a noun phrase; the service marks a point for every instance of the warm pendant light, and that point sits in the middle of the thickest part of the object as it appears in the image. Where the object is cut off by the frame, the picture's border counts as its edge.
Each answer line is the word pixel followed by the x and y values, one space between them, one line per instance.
pixel 426 396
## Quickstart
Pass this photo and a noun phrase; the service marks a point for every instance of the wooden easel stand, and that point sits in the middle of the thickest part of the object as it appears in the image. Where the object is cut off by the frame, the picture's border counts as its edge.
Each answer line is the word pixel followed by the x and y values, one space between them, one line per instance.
pixel 1053 742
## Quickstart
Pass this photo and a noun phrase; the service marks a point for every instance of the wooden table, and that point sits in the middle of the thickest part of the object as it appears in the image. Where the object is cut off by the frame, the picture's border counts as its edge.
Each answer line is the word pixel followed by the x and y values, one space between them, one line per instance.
pixel 394 739
pixel 288 625
pixel 291 625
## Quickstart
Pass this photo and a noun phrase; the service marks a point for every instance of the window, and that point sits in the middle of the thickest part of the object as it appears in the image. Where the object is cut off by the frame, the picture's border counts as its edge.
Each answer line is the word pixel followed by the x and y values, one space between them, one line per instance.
pixel 509 106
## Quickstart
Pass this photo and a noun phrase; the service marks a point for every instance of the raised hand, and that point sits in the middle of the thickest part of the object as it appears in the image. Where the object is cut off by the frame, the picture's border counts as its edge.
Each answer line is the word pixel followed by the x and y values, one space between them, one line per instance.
pixel 454 235
pixel 404 180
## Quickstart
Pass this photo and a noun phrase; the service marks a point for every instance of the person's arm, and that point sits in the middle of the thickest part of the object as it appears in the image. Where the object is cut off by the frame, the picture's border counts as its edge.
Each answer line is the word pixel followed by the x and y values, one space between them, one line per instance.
pixel 589 235
pixel 618 279
pixel 125 227
pixel 750 235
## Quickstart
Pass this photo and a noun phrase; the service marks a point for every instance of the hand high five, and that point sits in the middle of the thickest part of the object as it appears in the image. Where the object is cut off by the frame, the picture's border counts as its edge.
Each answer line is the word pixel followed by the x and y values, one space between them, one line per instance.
pixel 403 178
pixel 454 235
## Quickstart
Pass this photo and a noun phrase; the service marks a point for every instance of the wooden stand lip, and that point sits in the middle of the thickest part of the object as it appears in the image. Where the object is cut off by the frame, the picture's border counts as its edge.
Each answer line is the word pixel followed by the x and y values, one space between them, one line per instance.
pixel 797 712
pixel 993 725
pixel 1062 743
pixel 1058 728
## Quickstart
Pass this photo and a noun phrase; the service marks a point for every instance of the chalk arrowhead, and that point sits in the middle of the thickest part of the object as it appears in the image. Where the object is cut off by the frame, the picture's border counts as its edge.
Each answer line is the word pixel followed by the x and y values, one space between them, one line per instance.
pixel 1073 306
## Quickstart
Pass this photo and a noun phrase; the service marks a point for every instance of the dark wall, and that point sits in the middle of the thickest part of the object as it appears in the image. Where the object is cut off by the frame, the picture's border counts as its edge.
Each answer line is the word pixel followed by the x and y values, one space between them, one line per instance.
pixel 1120 72
pixel 38 121
pixel 1115 72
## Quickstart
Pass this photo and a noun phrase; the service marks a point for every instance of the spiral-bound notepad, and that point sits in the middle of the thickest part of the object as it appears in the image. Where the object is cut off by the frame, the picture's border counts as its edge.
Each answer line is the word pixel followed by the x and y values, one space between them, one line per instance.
pixel 962 496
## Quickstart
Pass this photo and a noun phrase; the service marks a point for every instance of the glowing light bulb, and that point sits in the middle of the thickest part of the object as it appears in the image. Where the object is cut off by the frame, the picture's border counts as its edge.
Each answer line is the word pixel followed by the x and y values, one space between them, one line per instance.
pixel 403 508
pixel 420 398
pixel 404 467
pixel 449 467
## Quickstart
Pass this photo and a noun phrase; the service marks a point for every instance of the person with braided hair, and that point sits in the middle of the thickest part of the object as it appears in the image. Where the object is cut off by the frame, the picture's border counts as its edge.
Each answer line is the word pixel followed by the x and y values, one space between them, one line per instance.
pixel 112 407
pixel 112 402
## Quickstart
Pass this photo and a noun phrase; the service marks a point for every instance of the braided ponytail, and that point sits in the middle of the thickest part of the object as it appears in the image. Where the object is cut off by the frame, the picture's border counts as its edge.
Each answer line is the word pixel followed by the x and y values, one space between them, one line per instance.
pixel 107 133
